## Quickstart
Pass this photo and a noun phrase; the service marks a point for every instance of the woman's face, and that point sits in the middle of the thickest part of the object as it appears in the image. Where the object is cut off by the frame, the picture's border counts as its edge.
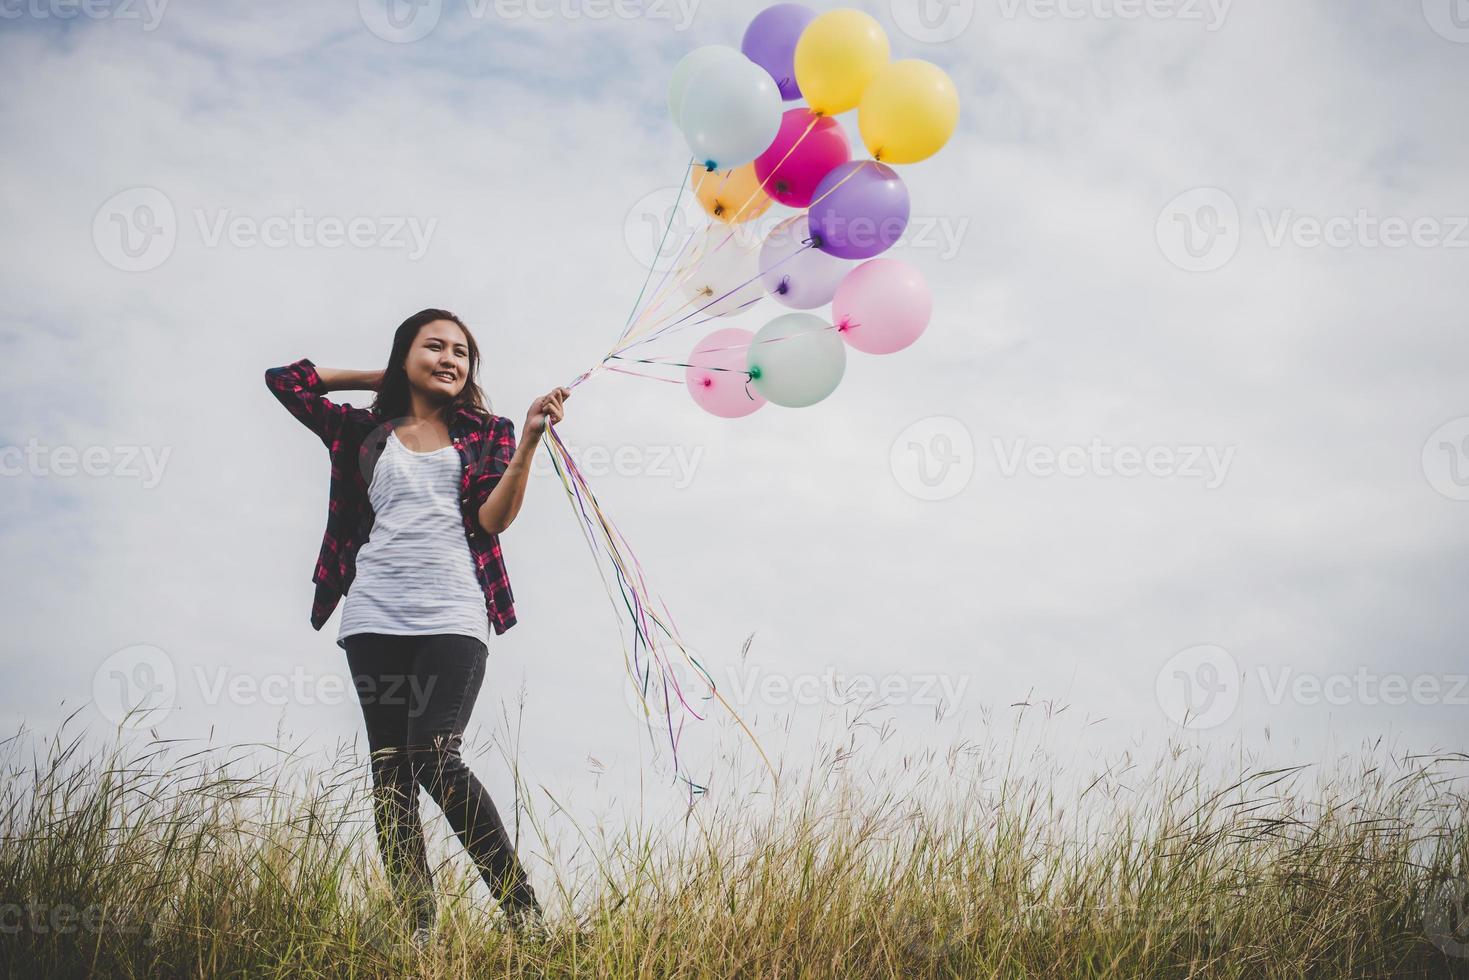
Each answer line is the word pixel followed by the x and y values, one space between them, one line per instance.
pixel 438 362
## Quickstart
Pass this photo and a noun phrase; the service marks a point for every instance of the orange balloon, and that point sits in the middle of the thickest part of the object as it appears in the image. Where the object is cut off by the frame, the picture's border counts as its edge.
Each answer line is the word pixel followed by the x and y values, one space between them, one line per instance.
pixel 732 196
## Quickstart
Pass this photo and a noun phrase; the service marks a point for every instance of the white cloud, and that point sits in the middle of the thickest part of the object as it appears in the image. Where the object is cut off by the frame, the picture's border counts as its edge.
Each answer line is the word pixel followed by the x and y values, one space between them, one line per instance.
pixel 1058 320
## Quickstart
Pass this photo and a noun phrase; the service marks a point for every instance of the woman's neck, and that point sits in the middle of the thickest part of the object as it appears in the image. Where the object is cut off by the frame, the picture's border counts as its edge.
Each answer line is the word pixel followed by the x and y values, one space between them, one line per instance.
pixel 422 411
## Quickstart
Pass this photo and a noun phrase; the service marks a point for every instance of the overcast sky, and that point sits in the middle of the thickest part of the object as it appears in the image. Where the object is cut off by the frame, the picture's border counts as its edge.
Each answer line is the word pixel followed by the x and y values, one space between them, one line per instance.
pixel 1221 247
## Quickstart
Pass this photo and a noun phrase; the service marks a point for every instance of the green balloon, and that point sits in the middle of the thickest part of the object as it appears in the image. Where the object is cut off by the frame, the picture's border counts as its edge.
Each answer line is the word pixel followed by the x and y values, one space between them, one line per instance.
pixel 796 360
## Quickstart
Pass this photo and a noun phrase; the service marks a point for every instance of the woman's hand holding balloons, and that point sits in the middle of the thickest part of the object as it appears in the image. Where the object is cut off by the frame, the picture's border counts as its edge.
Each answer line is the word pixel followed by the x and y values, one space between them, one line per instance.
pixel 546 410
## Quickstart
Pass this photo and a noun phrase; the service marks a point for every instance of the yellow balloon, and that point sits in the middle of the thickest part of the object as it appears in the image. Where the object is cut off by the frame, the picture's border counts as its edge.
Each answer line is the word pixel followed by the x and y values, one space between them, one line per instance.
pixel 836 56
pixel 908 112
pixel 732 196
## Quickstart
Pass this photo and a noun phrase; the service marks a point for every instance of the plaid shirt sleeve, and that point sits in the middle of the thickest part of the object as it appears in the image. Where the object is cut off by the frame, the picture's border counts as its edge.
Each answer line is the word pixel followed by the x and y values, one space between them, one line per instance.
pixel 298 387
pixel 495 459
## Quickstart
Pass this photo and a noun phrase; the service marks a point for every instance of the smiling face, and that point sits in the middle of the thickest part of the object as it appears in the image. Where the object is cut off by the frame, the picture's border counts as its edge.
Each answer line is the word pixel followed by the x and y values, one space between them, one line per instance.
pixel 438 361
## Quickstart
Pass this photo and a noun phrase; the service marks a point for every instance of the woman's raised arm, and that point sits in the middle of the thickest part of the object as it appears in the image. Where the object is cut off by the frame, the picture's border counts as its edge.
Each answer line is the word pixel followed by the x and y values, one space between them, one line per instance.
pixel 300 387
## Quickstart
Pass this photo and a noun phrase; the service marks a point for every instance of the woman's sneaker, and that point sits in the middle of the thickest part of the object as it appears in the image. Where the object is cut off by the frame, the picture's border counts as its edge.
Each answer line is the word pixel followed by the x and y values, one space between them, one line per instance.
pixel 525 920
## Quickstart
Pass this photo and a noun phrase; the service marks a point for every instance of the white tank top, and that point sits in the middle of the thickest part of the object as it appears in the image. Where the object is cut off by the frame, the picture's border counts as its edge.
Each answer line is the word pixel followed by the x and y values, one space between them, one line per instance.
pixel 415 572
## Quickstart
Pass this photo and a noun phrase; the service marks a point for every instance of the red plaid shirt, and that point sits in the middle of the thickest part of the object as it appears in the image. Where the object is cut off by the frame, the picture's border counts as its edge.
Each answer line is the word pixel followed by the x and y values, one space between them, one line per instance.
pixel 356 437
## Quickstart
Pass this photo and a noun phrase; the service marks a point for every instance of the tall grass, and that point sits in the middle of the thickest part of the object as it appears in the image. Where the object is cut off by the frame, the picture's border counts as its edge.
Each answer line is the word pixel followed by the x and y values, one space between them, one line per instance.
pixel 162 860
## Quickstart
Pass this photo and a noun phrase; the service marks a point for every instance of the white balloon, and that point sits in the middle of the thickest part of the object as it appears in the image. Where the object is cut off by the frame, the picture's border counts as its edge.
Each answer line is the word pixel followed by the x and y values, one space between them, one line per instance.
pixel 690 65
pixel 725 259
pixel 731 112
pixel 793 273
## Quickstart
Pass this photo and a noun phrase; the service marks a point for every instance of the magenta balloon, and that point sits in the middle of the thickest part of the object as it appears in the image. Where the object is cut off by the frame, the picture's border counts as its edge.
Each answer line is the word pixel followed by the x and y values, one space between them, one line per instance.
pixel 882 306
pixel 859 210
pixel 718 379
pixel 791 175
pixel 770 42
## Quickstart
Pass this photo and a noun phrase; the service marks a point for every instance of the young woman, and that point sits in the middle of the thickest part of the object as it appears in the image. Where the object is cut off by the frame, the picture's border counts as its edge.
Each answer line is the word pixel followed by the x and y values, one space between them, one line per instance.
pixel 422 485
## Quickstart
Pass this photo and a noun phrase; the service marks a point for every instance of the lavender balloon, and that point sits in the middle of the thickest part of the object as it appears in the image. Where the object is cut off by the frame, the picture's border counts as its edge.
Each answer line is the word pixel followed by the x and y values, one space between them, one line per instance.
pixel 793 273
pixel 770 42
pixel 859 210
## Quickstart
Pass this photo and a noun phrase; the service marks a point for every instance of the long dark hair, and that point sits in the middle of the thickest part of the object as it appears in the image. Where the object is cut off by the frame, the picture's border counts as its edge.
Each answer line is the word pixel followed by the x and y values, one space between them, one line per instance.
pixel 393 401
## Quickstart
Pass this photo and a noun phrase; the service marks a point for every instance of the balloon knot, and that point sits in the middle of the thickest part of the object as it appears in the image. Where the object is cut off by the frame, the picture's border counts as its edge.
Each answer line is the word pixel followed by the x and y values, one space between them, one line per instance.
pixel 709 167
pixel 754 372
pixel 846 323
pixel 785 285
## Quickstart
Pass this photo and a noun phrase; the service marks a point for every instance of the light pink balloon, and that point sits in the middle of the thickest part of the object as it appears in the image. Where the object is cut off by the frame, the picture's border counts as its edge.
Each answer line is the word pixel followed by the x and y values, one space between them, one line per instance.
pixel 791 175
pixel 882 306
pixel 718 380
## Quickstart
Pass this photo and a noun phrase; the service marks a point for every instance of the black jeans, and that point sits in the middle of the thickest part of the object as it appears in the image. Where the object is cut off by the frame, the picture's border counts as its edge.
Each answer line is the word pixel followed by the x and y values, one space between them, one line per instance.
pixel 416 694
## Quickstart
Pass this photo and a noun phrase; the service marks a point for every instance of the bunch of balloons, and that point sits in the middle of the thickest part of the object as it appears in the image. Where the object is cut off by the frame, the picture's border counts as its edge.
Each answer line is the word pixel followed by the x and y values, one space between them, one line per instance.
pixel 751 153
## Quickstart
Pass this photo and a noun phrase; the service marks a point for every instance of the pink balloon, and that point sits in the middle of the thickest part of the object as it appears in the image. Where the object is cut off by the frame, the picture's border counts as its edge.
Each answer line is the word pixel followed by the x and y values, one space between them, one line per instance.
pixel 882 306
pixel 718 380
pixel 794 181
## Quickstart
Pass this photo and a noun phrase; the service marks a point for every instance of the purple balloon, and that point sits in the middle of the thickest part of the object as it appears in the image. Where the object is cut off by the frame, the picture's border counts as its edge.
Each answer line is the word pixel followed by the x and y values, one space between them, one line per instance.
pixel 770 42
pixel 858 210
